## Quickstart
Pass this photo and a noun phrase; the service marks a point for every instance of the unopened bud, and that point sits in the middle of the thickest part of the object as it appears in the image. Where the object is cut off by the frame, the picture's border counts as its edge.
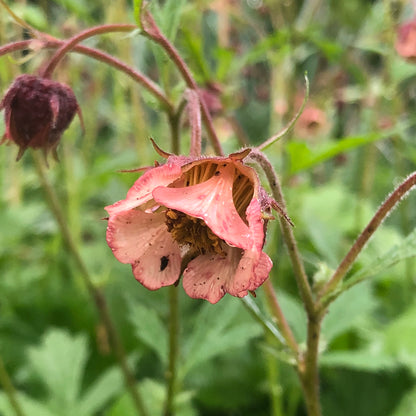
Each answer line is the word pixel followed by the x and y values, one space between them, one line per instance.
pixel 36 112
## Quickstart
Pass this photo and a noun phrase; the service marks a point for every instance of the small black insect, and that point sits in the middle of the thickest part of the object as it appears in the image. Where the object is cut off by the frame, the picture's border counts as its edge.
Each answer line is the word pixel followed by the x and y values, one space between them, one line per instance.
pixel 164 261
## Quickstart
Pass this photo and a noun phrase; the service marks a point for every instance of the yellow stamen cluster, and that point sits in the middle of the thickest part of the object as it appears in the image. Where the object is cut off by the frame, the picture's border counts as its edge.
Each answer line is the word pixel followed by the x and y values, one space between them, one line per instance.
pixel 243 191
pixel 192 232
pixel 243 187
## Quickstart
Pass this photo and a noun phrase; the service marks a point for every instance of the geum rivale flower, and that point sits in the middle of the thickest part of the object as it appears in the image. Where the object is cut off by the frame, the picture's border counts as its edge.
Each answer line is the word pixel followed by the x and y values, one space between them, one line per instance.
pixel 201 218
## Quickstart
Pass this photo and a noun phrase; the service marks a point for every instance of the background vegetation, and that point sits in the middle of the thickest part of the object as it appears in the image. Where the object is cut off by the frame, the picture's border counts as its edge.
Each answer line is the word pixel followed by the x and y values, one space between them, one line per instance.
pixel 351 146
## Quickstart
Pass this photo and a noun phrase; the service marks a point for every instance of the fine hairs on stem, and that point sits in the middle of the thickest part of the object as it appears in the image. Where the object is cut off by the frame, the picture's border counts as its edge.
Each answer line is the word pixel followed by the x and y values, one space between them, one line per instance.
pixel 384 210
pixel 151 30
pixel 95 293
pixel 307 362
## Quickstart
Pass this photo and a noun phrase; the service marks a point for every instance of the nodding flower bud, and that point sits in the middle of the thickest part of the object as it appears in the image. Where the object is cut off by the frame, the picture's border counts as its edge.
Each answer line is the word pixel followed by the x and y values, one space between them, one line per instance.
pixel 36 112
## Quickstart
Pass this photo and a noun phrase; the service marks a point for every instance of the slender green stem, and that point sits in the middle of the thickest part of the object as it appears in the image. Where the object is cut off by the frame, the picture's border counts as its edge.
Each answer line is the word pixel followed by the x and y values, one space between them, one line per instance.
pixel 171 376
pixel 308 369
pixel 386 207
pixel 17 19
pixel 137 76
pixel 70 43
pixel 275 388
pixel 241 135
pixel 152 31
pixel 281 321
pixel 95 293
pixel 292 122
pixel 288 236
pixel 9 389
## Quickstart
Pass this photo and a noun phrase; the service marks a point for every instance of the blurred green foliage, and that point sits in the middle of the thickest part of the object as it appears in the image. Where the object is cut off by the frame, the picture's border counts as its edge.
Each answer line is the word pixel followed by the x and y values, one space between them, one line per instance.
pixel 352 145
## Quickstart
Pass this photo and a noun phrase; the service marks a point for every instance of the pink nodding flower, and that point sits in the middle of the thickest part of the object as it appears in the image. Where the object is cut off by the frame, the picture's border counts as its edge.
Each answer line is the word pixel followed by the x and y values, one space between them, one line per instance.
pixel 202 218
pixel 406 40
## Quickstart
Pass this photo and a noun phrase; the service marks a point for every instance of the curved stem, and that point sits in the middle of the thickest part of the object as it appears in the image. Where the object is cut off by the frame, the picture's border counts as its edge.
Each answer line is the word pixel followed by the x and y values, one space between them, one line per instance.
pixel 281 321
pixel 14 46
pixel 288 236
pixel 95 293
pixel 137 76
pixel 386 207
pixel 9 389
pixel 152 31
pixel 70 43
pixel 173 350
pixel 18 20
pixel 292 122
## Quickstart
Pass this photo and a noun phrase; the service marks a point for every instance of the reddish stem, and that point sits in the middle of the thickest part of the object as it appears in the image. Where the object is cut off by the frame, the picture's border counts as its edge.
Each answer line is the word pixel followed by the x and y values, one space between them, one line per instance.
pixel 70 43
pixel 281 321
pixel 194 112
pixel 137 76
pixel 385 208
pixel 152 31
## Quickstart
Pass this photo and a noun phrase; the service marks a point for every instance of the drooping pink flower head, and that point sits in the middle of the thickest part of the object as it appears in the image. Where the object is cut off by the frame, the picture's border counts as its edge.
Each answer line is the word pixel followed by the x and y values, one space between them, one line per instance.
pixel 406 40
pixel 200 218
pixel 36 112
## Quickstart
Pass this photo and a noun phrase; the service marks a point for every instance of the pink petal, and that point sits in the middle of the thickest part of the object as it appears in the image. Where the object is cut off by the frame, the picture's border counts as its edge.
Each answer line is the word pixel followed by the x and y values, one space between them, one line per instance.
pixel 207 276
pixel 141 191
pixel 252 270
pixel 142 240
pixel 211 201
pixel 211 276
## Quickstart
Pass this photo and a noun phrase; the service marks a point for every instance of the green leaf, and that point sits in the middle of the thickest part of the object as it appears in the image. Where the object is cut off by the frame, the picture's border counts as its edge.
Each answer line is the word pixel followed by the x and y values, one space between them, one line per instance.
pixel 149 328
pixel 154 395
pixel 360 360
pixel 327 215
pixel 200 65
pixel 59 362
pixel 295 314
pixel 400 339
pixel 29 406
pixel 405 250
pixel 407 405
pixel 32 14
pixel 80 8
pixel 346 310
pixel 259 315
pixel 104 389
pixel 171 15
pixel 216 332
pixel 302 157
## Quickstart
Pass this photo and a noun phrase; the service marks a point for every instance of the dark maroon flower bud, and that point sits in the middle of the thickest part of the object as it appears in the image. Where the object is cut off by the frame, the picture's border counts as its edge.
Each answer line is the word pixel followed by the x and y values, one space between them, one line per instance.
pixel 36 112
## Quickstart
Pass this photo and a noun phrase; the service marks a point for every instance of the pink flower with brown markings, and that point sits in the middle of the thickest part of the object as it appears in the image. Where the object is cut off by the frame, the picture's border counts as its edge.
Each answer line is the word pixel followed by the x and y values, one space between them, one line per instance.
pixel 36 112
pixel 200 218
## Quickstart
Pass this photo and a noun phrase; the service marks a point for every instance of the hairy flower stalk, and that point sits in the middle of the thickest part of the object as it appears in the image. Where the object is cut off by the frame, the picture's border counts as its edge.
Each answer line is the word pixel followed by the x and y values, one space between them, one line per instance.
pixel 203 218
